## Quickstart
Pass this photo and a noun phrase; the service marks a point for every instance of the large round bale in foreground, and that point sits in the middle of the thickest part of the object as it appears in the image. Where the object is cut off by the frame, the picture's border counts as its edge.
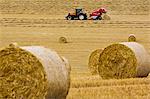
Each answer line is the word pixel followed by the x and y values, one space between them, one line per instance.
pixel 148 75
pixel 66 64
pixel 32 72
pixel 124 60
pixel 131 38
pixel 94 60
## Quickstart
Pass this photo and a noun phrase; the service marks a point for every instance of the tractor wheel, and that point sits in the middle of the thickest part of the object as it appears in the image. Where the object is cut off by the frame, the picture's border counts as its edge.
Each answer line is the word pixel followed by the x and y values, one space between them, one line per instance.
pixel 81 17
pixel 69 18
pixel 99 18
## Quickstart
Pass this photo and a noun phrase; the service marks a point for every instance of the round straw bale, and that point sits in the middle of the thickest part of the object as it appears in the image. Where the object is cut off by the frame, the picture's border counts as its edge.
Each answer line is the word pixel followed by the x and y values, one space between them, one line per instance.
pixel 63 40
pixel 68 67
pixel 13 45
pixel 149 75
pixel 131 38
pixel 94 60
pixel 106 17
pixel 32 72
pixel 124 60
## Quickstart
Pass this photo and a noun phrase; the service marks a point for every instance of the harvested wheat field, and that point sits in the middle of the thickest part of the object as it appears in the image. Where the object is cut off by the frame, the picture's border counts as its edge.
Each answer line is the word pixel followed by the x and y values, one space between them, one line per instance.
pixel 42 23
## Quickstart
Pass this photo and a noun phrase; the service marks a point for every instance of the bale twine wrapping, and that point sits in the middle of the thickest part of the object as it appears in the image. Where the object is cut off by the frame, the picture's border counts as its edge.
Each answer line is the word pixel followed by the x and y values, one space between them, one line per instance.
pixel 32 72
pixel 94 60
pixel 131 38
pixel 124 60
pixel 66 64
pixel 63 40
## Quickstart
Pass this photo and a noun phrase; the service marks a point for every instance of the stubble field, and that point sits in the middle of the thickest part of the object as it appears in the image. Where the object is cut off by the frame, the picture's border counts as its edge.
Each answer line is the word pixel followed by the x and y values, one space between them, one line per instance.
pixel 35 22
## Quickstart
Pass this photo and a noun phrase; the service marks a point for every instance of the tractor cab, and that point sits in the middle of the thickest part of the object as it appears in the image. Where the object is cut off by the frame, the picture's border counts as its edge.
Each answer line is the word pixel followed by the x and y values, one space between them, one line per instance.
pixel 78 11
pixel 79 15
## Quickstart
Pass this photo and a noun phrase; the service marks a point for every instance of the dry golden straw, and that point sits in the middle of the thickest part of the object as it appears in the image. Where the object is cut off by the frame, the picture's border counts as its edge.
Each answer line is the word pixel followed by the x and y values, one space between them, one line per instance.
pixel 106 17
pixel 32 72
pixel 13 45
pixel 124 60
pixel 131 38
pixel 149 75
pixel 66 64
pixel 62 40
pixel 94 60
